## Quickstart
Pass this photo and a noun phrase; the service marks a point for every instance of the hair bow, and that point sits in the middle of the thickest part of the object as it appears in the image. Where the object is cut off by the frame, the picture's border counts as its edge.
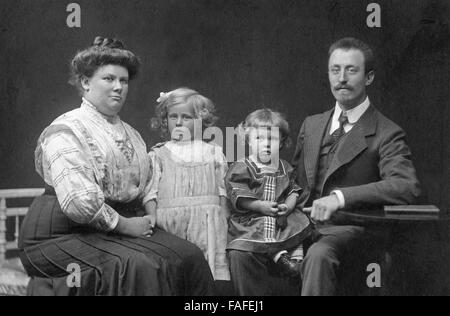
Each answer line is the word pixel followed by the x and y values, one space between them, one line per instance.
pixel 163 96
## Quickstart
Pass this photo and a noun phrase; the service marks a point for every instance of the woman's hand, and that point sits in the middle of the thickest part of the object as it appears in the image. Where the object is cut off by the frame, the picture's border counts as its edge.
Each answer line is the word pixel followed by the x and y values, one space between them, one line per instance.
pixel 150 210
pixel 135 226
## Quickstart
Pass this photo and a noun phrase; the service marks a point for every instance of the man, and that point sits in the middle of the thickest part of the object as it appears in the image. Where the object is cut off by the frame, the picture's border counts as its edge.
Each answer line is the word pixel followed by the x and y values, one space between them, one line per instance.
pixel 350 157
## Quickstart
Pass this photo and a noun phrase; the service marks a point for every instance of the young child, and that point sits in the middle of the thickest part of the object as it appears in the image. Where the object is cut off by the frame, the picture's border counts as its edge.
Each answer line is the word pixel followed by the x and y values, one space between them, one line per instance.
pixel 265 219
pixel 187 195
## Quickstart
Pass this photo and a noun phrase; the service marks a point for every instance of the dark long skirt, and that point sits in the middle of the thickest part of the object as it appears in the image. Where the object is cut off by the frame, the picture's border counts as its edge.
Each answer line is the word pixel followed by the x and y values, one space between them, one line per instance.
pixel 52 245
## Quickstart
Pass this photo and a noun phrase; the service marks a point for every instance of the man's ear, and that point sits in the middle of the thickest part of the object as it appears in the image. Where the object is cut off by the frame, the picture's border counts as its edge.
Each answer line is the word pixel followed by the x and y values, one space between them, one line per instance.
pixel 370 77
pixel 85 83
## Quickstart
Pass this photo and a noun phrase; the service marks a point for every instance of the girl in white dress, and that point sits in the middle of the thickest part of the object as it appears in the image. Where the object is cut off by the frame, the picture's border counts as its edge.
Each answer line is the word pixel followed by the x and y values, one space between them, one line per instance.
pixel 187 195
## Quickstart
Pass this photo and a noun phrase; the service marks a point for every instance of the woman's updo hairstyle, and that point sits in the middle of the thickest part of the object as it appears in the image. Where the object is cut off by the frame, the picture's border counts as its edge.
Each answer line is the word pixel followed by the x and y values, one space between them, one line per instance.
pixel 104 51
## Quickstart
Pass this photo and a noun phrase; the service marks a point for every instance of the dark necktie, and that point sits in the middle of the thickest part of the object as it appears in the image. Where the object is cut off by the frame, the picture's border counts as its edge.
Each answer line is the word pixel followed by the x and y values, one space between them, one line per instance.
pixel 337 134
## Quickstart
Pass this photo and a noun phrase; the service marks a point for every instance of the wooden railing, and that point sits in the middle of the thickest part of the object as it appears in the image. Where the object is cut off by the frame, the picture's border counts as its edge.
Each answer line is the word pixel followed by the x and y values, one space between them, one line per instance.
pixel 15 212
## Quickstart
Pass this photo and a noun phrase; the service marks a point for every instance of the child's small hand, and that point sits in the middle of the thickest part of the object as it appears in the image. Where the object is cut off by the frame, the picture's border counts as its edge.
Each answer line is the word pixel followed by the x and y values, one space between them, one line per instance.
pixel 268 208
pixel 282 210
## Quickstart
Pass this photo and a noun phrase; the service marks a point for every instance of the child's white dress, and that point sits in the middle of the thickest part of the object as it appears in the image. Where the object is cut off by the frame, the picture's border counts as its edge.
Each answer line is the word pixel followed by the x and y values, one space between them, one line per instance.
pixel 187 183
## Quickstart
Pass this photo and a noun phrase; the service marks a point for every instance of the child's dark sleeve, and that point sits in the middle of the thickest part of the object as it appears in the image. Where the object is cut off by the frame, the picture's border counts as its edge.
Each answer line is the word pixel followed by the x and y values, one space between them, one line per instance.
pixel 238 183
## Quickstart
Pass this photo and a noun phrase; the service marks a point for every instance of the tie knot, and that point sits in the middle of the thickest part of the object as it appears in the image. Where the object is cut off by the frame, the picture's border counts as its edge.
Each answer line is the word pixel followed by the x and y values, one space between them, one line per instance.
pixel 343 119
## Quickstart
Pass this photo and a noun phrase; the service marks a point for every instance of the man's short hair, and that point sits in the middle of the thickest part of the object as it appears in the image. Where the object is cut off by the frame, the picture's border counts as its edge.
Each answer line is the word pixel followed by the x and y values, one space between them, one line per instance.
pixel 354 43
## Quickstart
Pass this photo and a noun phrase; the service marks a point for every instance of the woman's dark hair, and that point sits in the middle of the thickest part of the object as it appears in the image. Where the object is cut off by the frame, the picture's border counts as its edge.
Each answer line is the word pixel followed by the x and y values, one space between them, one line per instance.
pixel 104 51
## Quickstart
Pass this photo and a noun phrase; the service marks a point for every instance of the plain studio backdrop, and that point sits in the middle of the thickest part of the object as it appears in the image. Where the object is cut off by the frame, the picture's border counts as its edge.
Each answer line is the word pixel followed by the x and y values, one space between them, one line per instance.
pixel 243 54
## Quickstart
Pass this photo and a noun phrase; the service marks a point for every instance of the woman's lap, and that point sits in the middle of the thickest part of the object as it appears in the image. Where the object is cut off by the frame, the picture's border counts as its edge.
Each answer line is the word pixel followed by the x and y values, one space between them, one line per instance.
pixel 117 265
pixel 110 264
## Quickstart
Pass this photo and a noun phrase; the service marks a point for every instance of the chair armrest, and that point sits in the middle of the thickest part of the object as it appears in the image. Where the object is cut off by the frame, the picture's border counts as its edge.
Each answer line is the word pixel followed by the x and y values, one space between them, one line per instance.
pixel 411 209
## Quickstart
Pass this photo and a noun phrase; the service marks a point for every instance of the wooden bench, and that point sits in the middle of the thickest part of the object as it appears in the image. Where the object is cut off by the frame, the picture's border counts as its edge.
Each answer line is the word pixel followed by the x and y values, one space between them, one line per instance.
pixel 13 279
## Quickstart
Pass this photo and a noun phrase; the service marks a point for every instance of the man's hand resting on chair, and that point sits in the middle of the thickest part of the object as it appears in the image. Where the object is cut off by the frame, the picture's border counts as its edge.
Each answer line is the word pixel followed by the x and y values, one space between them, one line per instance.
pixel 323 208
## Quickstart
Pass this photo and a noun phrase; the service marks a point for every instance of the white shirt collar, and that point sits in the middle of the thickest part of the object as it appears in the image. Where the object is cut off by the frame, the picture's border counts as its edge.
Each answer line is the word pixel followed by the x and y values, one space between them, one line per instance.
pixel 354 114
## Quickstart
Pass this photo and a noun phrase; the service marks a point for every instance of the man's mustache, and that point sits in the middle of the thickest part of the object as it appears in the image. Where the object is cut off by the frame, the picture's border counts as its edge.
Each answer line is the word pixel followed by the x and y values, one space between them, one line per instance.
pixel 339 87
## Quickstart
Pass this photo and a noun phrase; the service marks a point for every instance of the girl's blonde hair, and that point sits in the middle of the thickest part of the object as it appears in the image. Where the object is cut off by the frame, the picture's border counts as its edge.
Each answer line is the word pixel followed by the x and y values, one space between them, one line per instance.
pixel 267 118
pixel 204 108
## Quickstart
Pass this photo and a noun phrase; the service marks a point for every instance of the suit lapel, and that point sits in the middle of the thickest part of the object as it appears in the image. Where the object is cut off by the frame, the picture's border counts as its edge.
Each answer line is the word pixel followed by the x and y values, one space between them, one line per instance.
pixel 313 145
pixel 355 142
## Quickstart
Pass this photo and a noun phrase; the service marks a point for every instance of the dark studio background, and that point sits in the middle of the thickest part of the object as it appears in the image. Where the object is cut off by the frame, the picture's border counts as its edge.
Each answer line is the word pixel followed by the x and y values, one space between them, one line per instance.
pixel 243 55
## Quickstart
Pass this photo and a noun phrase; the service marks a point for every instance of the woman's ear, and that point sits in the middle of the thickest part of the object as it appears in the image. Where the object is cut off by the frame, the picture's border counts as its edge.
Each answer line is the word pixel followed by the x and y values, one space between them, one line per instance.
pixel 85 83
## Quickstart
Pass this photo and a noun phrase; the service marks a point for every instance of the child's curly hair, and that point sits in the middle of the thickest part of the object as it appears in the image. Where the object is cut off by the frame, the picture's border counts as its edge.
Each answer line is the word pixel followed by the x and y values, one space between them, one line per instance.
pixel 266 118
pixel 203 107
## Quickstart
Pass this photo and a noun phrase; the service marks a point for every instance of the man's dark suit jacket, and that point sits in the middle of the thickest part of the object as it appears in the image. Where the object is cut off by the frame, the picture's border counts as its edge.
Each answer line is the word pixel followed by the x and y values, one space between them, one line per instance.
pixel 371 167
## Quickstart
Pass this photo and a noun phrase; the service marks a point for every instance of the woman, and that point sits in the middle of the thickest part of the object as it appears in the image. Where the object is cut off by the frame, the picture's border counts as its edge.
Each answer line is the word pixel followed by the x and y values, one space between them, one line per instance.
pixel 97 175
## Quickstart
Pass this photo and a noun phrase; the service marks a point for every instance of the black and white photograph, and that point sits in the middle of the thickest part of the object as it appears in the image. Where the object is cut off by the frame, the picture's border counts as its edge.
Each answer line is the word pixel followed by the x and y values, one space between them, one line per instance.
pixel 225 151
